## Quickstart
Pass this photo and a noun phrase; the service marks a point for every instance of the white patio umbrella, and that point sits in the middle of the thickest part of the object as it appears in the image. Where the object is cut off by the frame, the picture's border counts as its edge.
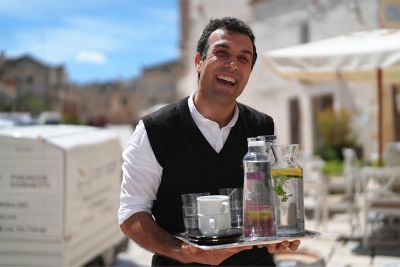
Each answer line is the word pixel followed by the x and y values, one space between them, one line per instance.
pixel 366 55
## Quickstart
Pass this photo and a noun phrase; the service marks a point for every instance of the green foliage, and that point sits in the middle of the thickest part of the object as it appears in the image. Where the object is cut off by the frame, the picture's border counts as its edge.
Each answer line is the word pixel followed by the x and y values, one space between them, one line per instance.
pixel 333 167
pixel 376 163
pixel 328 152
pixel 280 185
pixel 34 105
pixel 335 127
pixel 6 104
pixel 336 133
pixel 71 119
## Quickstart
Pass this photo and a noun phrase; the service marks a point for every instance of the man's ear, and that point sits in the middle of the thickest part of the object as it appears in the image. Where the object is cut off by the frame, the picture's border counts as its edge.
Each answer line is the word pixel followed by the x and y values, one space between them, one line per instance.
pixel 198 62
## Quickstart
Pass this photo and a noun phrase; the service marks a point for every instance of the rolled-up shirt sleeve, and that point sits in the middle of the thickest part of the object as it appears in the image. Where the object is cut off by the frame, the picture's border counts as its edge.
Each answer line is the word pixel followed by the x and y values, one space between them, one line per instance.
pixel 141 175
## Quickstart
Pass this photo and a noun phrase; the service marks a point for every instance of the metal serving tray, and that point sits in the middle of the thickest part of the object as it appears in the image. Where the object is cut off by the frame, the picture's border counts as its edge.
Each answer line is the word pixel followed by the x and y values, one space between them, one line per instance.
pixel 308 234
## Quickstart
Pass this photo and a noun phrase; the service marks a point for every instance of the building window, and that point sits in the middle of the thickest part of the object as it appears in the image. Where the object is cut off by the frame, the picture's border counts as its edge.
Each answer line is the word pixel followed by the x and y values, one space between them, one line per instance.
pixel 396 111
pixel 295 117
pixel 123 101
pixel 319 104
pixel 389 14
pixel 304 33
pixel 29 79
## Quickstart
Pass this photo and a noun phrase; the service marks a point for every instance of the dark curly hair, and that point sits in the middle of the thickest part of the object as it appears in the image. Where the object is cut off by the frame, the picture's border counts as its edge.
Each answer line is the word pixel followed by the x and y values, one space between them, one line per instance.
pixel 231 25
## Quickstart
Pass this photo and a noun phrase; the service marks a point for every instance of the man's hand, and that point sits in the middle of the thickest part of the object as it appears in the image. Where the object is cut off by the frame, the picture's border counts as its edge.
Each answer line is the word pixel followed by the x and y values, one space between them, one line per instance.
pixel 209 257
pixel 283 246
pixel 141 228
pixel 215 257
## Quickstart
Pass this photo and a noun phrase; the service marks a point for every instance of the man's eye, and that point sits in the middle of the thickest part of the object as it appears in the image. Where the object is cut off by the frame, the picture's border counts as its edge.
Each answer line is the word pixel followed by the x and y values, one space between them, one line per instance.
pixel 221 53
pixel 244 59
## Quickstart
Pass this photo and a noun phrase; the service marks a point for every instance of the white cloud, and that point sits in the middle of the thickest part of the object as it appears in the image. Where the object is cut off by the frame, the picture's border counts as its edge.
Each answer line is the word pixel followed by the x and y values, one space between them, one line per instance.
pixel 91 57
pixel 62 43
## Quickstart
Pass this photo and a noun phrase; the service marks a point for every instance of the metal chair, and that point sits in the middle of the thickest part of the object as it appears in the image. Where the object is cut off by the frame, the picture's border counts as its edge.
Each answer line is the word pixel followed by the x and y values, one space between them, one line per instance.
pixel 381 201
pixel 352 189
pixel 315 189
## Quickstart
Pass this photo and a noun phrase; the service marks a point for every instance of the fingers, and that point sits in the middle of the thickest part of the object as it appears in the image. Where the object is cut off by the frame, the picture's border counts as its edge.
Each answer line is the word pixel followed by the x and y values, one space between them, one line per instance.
pixel 294 245
pixel 190 249
pixel 271 248
pixel 283 246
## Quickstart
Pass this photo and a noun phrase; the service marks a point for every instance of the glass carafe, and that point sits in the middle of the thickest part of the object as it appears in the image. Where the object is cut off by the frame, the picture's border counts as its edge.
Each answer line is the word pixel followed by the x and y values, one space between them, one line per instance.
pixel 287 185
pixel 258 216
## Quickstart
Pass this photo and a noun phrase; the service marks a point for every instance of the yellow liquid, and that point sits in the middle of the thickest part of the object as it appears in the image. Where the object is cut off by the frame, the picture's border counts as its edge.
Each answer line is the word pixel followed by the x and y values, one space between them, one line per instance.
pixel 287 172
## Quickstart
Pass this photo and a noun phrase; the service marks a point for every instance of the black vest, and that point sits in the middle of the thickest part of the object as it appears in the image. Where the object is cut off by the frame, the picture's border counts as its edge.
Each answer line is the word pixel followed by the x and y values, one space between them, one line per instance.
pixel 190 164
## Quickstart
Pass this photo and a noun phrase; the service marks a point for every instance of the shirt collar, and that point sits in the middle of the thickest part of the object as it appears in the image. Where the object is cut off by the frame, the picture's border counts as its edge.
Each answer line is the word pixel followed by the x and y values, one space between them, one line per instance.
pixel 198 118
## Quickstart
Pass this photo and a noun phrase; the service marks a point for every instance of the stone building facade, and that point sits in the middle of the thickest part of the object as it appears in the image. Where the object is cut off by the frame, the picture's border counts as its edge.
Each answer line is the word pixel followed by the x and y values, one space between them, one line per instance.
pixel 37 84
pixel 281 23
pixel 8 95
pixel 101 103
pixel 27 84
pixel 157 84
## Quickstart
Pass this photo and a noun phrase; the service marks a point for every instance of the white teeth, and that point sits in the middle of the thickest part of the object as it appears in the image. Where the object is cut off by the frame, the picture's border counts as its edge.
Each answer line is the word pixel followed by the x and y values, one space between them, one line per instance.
pixel 226 78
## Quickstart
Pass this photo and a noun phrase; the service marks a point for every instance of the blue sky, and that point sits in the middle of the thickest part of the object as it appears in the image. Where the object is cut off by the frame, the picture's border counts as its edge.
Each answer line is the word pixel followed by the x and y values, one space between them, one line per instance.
pixel 96 40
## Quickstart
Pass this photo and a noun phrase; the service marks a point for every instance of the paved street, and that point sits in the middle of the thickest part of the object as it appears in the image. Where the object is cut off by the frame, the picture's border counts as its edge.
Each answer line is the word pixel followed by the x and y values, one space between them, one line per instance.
pixel 334 246
pixel 339 250
pixel 135 256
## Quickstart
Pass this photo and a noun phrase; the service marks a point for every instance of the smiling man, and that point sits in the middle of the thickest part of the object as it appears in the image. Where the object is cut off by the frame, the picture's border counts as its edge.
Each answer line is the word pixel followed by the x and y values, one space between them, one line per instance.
pixel 192 146
pixel 224 65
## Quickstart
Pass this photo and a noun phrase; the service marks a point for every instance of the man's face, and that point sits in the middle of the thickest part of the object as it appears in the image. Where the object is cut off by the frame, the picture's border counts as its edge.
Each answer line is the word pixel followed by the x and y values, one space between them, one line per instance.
pixel 226 69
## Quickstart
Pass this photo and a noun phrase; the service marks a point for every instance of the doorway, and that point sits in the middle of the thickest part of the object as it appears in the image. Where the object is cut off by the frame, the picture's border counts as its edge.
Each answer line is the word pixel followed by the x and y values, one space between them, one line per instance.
pixel 295 121
pixel 319 103
pixel 396 111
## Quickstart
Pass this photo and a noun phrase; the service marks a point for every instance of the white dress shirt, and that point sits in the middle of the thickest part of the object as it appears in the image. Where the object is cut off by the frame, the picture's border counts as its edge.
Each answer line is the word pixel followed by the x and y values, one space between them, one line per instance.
pixel 141 170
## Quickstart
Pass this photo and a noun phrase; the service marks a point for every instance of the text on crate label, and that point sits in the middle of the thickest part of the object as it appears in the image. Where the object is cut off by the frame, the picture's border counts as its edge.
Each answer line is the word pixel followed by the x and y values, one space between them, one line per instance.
pixel 23 229
pixel 8 216
pixel 8 204
pixel 29 181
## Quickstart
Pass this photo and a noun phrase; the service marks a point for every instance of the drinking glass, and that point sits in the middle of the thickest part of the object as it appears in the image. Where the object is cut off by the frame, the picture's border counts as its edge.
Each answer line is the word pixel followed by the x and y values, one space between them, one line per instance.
pixel 189 211
pixel 236 204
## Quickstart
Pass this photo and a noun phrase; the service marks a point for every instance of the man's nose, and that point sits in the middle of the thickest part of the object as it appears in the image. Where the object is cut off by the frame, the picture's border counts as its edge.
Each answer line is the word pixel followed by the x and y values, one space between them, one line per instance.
pixel 231 63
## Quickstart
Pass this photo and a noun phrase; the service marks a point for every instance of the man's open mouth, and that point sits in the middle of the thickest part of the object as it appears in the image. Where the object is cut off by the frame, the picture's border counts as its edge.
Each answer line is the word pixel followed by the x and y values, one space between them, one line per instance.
pixel 226 79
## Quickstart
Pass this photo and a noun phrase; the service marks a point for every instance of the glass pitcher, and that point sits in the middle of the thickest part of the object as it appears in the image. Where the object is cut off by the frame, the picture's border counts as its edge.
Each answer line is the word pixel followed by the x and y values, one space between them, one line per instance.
pixel 287 185
pixel 258 219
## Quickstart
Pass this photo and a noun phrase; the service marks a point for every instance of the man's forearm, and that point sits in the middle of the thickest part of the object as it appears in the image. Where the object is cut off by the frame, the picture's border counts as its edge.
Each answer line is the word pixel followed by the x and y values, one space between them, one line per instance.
pixel 141 228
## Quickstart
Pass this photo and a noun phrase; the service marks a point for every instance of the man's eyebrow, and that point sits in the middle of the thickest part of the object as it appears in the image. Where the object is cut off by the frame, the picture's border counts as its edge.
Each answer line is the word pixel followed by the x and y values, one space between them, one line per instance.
pixel 221 45
pixel 245 51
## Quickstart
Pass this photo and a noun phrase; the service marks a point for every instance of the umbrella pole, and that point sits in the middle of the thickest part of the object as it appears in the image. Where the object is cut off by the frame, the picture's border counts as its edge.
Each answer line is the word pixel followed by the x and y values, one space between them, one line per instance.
pixel 380 115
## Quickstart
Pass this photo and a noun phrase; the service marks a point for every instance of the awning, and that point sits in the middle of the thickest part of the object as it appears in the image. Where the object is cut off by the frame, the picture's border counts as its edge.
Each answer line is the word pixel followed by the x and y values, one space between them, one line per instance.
pixel 357 56
pixel 353 54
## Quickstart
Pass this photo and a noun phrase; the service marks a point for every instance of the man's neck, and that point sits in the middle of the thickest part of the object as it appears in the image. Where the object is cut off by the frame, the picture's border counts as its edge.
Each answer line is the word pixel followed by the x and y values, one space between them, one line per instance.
pixel 220 113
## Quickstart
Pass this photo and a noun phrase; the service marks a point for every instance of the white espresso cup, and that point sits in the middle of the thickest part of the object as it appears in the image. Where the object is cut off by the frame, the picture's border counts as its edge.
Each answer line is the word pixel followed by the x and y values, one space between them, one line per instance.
pixel 213 204
pixel 213 214
pixel 214 225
